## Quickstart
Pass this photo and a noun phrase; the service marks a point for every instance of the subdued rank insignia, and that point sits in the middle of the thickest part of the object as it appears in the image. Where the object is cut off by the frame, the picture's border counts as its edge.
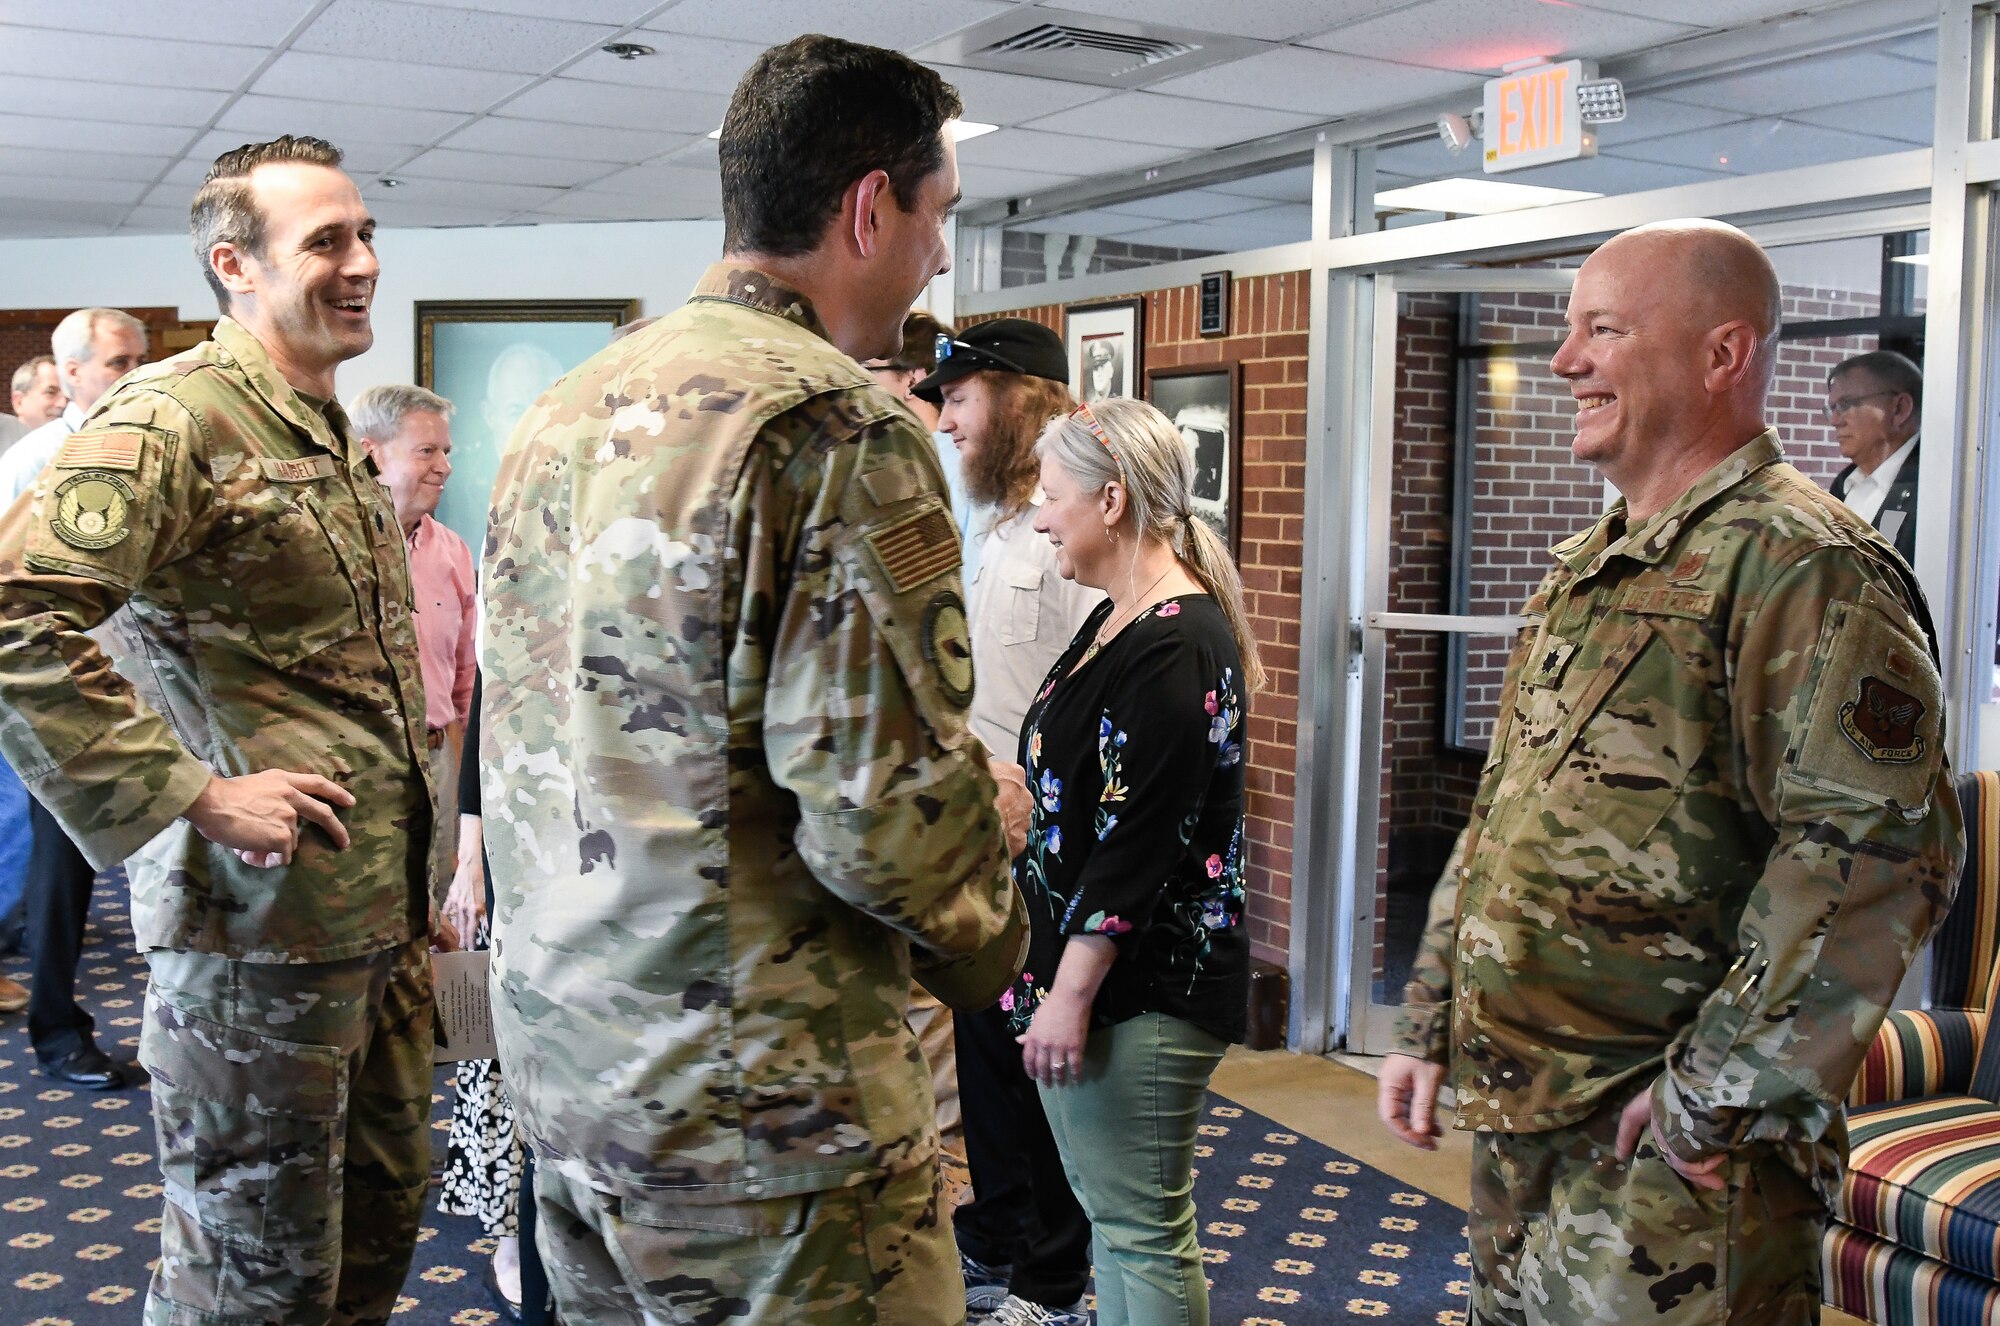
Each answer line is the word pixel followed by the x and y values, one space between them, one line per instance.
pixel 948 647
pixel 1882 720
pixel 917 548
pixel 93 510
pixel 101 451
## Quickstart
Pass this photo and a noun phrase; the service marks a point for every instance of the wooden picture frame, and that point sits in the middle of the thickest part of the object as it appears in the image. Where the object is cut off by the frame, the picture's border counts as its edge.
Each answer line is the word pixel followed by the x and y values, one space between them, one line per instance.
pixel 1205 402
pixel 1107 348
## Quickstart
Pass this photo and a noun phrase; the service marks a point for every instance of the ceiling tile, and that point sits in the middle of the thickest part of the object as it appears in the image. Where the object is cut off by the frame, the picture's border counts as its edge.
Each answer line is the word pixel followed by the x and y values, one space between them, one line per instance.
pixel 1752 147
pixel 1613 175
pixel 457 193
pixel 1103 222
pixel 133 61
pixel 1193 205
pixel 1268 20
pixel 1909 116
pixel 169 196
pixel 105 101
pixel 1820 80
pixel 33 227
pixel 900 27
pixel 361 159
pixel 571 101
pixel 48 163
pixel 157 221
pixel 1921 48
pixel 1292 184
pixel 1007 99
pixel 1148 117
pixel 406 216
pixel 1482 36
pixel 618 12
pixel 464 38
pixel 71 190
pixel 1710 14
pixel 1318 83
pixel 245 22
pixel 1656 117
pixel 696 64
pixel 584 142
pixel 1247 230
pixel 444 163
pixel 982 183
pixel 337 121
pixel 313 77
pixel 659 179
pixel 37 210
pixel 1029 149
pixel 39 131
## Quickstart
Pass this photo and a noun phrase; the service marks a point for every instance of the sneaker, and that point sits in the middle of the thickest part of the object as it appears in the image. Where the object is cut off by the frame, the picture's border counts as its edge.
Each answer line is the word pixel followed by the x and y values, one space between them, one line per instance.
pixel 985 1286
pixel 1018 1311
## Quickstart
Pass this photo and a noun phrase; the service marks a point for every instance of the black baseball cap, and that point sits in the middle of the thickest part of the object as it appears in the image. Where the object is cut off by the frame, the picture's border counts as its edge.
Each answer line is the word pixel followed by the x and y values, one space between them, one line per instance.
pixel 1004 345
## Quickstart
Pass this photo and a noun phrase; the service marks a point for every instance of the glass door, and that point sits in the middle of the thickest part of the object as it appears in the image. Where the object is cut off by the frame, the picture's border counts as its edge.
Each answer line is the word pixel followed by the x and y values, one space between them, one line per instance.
pixel 1470 482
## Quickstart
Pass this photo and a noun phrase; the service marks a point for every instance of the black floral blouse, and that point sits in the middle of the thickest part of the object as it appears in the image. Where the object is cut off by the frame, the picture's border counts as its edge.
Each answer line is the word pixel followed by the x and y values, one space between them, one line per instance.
pixel 1136 766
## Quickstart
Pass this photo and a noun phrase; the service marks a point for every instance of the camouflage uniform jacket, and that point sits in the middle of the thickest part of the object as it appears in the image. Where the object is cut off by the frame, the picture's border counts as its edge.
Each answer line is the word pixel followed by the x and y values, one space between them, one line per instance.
pixel 267 626
pixel 1715 826
pixel 728 782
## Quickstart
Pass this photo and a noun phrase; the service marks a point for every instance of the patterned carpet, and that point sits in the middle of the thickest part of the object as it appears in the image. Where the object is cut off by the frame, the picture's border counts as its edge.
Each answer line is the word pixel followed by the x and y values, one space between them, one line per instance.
pixel 1295 1232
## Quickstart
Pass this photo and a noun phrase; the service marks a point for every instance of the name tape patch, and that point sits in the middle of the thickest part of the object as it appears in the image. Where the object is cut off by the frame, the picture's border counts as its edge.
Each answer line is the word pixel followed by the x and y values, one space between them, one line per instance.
pixel 302 470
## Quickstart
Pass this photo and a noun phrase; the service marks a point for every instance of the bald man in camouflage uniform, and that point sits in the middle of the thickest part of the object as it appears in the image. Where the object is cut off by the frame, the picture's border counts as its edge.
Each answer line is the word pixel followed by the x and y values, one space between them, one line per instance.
pixel 219 498
pixel 731 799
pixel 1715 828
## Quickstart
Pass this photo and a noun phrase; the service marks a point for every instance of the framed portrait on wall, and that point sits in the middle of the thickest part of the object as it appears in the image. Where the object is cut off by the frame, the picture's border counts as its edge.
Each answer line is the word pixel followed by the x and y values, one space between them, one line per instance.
pixel 1106 344
pixel 1204 403
pixel 491 358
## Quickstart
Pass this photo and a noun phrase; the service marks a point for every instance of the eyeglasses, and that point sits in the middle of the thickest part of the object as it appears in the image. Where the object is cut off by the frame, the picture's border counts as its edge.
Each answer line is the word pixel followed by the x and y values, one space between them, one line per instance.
pixel 1097 431
pixel 947 347
pixel 1841 405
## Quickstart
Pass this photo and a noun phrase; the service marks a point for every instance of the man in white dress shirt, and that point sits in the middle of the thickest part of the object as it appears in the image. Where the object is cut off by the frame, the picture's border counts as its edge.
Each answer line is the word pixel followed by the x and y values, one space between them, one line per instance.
pixel 1875 401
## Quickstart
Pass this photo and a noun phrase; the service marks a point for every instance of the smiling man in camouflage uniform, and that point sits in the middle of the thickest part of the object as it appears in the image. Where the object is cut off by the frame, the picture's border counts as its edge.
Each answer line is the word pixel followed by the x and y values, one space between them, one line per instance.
pixel 730 796
pixel 219 498
pixel 1715 828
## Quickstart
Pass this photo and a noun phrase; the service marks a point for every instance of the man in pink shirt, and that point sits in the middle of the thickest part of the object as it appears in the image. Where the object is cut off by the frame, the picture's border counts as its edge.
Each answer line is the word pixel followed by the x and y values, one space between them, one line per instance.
pixel 406 431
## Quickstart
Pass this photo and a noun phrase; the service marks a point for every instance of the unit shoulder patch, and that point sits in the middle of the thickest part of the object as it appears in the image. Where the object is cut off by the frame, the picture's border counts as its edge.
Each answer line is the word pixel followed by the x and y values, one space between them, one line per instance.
pixel 93 510
pixel 1882 720
pixel 947 642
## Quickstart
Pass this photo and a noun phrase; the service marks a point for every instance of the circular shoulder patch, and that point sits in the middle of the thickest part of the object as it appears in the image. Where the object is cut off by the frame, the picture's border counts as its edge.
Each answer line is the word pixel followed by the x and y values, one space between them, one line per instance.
pixel 93 510
pixel 948 646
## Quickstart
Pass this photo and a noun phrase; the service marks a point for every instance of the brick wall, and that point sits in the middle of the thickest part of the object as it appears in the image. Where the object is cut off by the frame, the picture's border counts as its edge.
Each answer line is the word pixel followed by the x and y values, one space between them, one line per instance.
pixel 1268 318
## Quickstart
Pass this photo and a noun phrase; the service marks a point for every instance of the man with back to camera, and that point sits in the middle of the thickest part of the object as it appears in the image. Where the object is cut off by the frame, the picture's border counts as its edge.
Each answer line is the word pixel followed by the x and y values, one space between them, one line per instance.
pixel 1024 1240
pixel 1716 827
pixel 731 799
pixel 1875 402
pixel 220 498
pixel 93 348
pixel 406 432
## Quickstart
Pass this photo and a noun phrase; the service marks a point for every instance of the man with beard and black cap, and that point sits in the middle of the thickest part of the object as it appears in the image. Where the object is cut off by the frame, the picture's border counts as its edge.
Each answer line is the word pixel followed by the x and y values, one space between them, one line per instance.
pixel 1024 1242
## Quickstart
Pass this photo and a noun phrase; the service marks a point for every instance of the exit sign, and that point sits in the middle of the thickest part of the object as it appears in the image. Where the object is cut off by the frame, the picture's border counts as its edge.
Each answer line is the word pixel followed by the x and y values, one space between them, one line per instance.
pixel 1532 117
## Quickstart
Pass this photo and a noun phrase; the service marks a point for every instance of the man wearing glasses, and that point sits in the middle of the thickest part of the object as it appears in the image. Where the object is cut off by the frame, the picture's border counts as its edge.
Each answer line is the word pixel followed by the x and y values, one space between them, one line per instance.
pixel 1875 402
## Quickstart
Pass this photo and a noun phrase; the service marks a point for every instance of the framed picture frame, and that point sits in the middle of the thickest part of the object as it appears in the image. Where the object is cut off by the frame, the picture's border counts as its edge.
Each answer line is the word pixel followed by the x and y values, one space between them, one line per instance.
pixel 1205 402
pixel 491 358
pixel 1106 344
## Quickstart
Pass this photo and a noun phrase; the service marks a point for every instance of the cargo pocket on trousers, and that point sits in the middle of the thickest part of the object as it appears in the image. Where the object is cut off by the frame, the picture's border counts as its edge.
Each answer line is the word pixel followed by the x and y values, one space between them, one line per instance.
pixel 250 1128
pixel 696 1261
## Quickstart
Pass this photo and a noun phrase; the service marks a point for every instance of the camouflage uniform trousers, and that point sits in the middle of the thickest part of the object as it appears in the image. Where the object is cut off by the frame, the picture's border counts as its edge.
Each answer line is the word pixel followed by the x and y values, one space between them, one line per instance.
pixel 874 1254
pixel 292 1104
pixel 930 1022
pixel 1564 1232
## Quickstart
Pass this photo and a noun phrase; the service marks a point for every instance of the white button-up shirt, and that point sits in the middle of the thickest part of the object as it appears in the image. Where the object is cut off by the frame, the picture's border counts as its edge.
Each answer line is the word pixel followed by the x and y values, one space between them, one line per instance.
pixel 1867 492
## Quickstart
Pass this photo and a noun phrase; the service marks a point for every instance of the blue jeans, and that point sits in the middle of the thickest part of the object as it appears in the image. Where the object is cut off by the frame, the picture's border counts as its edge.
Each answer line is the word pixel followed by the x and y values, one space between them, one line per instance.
pixel 17 839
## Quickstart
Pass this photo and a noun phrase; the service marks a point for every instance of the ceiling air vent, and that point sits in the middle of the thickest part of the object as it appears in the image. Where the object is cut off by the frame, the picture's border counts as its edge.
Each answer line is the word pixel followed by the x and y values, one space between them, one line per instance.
pixel 1084 48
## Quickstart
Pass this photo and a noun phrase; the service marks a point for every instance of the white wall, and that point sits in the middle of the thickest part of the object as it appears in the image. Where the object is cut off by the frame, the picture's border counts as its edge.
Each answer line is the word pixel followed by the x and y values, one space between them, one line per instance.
pixel 656 263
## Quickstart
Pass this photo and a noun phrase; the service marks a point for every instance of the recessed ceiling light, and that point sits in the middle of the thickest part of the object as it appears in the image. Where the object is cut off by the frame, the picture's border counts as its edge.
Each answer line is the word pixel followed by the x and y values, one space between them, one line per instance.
pixel 628 50
pixel 1474 197
pixel 960 130
pixel 390 182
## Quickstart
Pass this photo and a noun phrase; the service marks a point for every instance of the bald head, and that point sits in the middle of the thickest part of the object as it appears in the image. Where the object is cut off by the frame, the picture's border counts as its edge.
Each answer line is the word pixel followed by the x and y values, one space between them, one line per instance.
pixel 1709 270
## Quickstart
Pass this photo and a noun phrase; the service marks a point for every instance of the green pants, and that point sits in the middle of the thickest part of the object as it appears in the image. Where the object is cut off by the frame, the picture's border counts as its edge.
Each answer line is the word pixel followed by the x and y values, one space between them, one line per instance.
pixel 291 1103
pixel 876 1254
pixel 1126 1131
pixel 1564 1232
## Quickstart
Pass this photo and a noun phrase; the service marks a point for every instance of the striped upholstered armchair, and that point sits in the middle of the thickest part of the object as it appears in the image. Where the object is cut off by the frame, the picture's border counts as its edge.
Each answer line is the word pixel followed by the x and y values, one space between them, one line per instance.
pixel 1915 1237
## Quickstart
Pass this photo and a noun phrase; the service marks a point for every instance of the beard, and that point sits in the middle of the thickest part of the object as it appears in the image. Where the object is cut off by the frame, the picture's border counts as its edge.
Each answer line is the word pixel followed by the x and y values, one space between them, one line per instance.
pixel 1002 470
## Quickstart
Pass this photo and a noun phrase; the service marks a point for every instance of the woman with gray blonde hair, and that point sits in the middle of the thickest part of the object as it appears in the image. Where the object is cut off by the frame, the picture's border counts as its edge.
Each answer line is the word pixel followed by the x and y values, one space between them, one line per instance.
pixel 1138 968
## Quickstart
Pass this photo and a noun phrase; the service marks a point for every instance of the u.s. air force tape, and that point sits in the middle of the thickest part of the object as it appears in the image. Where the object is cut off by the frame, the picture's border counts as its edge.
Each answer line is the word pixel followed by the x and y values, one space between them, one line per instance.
pixel 948 646
pixel 93 510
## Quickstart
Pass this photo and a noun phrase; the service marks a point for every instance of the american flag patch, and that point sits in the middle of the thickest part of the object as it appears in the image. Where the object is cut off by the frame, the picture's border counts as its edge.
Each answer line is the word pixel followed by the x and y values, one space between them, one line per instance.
pixel 101 451
pixel 916 549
